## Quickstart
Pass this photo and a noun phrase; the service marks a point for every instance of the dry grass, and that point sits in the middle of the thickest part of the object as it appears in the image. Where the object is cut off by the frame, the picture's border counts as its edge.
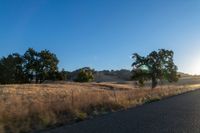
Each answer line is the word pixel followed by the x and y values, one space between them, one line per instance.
pixel 25 108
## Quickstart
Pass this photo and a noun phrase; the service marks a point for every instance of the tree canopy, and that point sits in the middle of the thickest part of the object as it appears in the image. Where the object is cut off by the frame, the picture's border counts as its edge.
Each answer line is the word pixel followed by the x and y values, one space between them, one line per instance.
pixel 158 65
pixel 85 75
pixel 11 69
pixel 32 66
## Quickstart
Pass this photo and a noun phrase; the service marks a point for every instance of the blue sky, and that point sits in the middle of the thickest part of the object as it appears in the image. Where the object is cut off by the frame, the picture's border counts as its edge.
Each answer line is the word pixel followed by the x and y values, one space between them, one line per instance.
pixel 102 34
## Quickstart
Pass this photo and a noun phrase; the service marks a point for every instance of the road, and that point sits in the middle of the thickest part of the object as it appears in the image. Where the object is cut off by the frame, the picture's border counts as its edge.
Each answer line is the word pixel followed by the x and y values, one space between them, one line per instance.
pixel 179 114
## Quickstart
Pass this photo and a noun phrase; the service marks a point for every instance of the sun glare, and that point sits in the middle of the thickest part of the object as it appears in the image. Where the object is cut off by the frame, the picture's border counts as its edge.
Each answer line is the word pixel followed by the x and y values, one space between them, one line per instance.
pixel 194 67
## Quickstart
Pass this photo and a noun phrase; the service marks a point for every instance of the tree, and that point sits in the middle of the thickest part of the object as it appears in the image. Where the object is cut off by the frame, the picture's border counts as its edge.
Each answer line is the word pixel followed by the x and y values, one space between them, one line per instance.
pixel 158 65
pixel 85 75
pixel 62 75
pixel 11 69
pixel 40 66
pixel 20 76
pixel 31 64
pixel 48 65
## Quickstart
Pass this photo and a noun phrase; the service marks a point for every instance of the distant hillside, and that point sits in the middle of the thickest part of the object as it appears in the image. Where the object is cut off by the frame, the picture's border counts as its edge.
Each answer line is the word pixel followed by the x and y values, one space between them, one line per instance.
pixel 184 74
pixel 121 75
pixel 105 75
pixel 111 75
pixel 118 75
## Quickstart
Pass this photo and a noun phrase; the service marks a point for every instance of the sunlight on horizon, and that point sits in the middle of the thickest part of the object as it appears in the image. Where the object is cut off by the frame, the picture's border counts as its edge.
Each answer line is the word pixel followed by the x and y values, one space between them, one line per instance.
pixel 193 66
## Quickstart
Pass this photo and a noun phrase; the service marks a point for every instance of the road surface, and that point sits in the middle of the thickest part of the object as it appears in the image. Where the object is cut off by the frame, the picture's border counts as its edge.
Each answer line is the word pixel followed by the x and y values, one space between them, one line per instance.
pixel 179 114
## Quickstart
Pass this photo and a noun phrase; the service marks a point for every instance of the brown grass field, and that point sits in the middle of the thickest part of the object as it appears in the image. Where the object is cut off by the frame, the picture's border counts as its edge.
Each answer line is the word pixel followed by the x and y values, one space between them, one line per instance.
pixel 31 107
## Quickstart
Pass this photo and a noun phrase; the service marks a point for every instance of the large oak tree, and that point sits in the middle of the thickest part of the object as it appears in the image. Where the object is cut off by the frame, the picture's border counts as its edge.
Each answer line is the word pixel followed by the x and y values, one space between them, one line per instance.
pixel 158 65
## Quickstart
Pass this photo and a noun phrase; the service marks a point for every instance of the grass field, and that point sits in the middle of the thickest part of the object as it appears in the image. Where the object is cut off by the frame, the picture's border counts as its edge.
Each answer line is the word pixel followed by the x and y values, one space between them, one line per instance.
pixel 24 108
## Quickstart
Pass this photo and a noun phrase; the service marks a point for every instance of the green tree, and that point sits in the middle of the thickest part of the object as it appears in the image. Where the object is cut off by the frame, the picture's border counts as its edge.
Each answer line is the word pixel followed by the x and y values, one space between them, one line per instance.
pixel 40 66
pixel 11 69
pixel 32 64
pixel 20 76
pixel 158 65
pixel 85 75
pixel 48 65
pixel 62 75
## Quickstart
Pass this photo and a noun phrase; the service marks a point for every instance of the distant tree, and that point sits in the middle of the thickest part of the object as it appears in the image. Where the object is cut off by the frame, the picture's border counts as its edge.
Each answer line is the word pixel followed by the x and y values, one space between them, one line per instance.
pixel 62 75
pixel 11 69
pixel 32 64
pixel 40 66
pixel 48 65
pixel 20 76
pixel 85 75
pixel 155 66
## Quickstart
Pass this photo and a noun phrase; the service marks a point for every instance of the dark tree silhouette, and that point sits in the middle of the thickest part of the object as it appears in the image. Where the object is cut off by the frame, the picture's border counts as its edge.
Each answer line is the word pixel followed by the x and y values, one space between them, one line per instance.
pixel 32 66
pixel 11 69
pixel 40 66
pixel 48 63
pixel 155 66
pixel 31 58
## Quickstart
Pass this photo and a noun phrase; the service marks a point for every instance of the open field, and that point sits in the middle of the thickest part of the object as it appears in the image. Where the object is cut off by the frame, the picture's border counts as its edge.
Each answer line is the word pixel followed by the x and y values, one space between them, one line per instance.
pixel 26 108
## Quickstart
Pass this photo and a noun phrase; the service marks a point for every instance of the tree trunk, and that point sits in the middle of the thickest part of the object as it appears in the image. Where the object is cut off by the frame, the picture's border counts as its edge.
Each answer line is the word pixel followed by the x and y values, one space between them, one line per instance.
pixel 36 78
pixel 154 82
pixel 36 81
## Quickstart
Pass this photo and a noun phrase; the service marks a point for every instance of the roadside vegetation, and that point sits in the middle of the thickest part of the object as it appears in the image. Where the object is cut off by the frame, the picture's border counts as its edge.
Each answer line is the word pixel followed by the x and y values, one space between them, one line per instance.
pixel 26 108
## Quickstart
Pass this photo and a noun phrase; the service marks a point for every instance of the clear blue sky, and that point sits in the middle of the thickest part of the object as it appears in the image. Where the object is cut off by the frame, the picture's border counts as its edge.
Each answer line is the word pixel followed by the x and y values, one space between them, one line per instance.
pixel 102 34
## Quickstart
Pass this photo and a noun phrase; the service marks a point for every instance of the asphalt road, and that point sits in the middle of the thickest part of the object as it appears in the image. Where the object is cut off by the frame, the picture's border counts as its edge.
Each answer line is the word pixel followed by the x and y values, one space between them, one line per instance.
pixel 179 114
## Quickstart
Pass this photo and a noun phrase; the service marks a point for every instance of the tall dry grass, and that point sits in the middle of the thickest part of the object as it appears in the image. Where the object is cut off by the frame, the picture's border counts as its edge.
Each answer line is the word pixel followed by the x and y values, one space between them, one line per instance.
pixel 24 108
